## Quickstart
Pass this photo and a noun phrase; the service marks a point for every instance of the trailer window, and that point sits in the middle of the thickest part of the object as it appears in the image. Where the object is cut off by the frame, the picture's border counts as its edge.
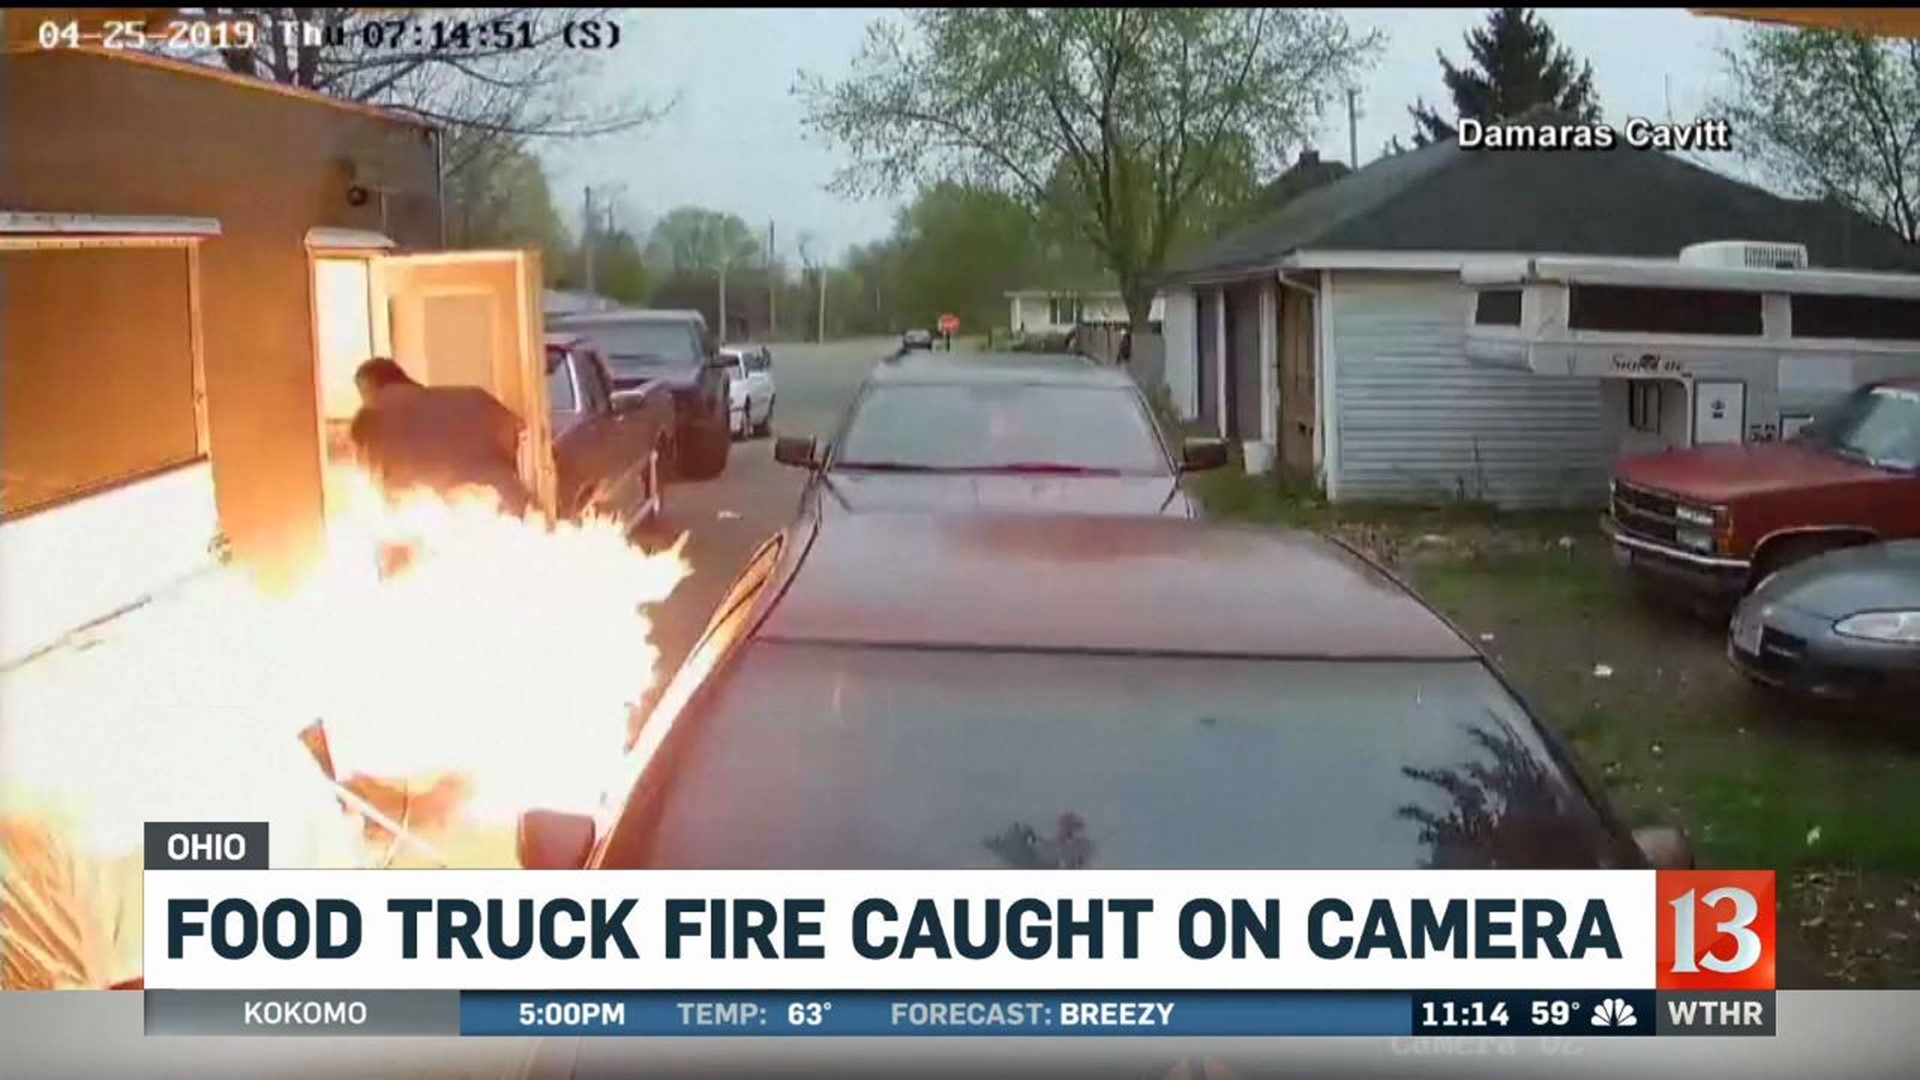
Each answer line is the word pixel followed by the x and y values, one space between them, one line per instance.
pixel 1663 311
pixel 1864 318
pixel 1644 398
pixel 97 385
pixel 1497 307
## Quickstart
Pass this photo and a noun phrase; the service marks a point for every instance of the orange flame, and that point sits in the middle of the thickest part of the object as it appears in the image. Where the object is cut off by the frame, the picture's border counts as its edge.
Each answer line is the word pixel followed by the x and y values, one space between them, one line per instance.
pixel 506 653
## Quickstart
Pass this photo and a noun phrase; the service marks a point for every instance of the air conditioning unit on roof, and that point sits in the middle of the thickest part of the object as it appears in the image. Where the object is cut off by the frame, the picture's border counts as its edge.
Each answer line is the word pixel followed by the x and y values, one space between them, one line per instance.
pixel 1745 255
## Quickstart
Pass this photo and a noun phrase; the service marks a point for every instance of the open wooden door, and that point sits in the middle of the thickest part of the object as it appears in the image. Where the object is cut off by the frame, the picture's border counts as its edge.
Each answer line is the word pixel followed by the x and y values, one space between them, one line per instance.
pixel 473 318
pixel 1297 400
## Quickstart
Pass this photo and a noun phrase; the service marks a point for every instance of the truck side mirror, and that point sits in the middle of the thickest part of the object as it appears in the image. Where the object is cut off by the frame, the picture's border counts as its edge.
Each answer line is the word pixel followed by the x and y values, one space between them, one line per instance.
pixel 800 451
pixel 552 840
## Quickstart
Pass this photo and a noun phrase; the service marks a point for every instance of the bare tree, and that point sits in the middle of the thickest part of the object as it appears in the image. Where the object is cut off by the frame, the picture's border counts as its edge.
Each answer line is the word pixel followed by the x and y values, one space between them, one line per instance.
pixel 484 74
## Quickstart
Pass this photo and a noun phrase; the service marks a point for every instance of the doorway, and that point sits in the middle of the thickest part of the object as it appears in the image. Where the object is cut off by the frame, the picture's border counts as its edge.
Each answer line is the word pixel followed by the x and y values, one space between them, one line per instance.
pixel 468 318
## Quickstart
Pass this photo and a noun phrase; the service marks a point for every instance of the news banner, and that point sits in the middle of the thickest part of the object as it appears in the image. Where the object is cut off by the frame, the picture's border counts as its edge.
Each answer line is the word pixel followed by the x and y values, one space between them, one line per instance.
pixel 233 947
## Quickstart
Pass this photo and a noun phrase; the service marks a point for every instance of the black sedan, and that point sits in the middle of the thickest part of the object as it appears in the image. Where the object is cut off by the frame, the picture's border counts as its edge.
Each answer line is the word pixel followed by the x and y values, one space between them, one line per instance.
pixel 1844 625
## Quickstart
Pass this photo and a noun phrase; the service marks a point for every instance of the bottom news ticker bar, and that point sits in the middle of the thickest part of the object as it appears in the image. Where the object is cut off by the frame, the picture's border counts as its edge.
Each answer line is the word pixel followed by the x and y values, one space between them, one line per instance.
pixel 867 1013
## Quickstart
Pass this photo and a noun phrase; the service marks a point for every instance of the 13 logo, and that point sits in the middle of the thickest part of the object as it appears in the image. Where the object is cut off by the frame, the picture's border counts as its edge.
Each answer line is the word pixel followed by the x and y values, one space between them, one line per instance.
pixel 1716 929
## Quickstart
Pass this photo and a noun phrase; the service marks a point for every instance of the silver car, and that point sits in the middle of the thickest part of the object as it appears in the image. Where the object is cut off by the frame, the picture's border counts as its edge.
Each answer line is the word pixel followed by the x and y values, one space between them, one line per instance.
pixel 1841 626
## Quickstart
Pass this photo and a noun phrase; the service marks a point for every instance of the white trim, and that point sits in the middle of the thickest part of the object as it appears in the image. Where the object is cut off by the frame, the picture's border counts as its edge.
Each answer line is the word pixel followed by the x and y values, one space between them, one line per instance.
pixel 1390 260
pixel 1220 359
pixel 1667 273
pixel 17 223
pixel 1269 366
pixel 322 240
pixel 1326 436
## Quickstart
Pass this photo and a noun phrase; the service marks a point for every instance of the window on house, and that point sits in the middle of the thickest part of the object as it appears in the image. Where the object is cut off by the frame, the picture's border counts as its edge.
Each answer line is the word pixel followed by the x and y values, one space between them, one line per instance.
pixel 1644 399
pixel 1867 318
pixel 1497 307
pixel 1663 311
pixel 1063 310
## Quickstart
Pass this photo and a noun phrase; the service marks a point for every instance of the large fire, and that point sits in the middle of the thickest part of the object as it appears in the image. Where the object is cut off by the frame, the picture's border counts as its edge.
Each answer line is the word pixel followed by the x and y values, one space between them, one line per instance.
pixel 491 670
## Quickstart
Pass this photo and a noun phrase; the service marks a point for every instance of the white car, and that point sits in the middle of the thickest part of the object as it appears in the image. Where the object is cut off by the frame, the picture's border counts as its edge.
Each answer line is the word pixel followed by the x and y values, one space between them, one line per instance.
pixel 750 389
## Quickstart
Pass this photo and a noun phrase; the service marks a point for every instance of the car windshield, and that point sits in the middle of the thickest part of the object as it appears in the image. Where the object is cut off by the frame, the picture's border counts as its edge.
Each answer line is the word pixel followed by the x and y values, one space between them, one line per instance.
pixel 1878 425
pixel 831 756
pixel 1001 427
pixel 559 383
pixel 640 348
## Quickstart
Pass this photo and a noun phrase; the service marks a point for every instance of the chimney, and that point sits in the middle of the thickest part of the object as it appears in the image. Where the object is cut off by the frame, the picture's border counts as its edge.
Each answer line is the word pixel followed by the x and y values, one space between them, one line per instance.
pixel 1309 156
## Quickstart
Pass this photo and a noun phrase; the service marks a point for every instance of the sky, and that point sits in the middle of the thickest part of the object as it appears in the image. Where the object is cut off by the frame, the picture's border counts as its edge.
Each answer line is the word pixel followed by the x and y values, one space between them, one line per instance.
pixel 734 139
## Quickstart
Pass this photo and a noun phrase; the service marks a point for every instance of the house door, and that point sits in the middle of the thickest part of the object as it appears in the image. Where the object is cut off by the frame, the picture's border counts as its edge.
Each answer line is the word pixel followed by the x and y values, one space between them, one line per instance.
pixel 469 318
pixel 1297 402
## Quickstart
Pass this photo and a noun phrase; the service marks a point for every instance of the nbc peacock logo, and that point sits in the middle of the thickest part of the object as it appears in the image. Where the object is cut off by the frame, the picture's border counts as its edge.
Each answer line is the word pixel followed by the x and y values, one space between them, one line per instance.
pixel 1613 1012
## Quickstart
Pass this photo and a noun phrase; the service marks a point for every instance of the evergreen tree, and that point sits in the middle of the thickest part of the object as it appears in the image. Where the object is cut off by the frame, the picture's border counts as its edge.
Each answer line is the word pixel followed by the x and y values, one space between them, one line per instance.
pixel 1516 64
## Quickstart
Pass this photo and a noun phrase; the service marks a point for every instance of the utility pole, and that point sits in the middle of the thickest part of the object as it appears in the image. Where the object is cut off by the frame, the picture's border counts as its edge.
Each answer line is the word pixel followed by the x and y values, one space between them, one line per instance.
pixel 586 240
pixel 724 260
pixel 773 287
pixel 1353 130
pixel 822 271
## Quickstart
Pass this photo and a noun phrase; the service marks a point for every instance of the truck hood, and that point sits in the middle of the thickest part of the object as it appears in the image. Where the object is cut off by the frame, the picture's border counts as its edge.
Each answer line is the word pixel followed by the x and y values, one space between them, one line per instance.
pixel 677 379
pixel 1718 474
pixel 1146 496
pixel 1873 577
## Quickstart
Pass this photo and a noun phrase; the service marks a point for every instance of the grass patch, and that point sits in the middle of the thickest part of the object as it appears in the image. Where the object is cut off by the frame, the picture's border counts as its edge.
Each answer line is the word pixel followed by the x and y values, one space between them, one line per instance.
pixel 1660 720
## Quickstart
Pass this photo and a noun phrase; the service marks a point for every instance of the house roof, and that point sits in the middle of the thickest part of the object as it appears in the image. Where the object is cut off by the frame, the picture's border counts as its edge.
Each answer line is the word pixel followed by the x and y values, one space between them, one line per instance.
pixel 1082 286
pixel 1623 201
pixel 231 78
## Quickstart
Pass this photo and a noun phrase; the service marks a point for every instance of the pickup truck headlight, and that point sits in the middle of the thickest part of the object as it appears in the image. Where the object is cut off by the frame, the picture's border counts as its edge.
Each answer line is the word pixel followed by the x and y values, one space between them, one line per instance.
pixel 1902 627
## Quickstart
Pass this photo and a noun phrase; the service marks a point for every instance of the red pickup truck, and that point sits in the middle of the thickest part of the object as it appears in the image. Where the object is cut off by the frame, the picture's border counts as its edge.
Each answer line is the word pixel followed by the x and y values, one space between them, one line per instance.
pixel 1718 519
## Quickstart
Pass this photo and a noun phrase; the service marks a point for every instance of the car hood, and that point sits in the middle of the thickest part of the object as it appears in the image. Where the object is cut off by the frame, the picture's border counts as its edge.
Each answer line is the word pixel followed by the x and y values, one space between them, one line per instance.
pixel 1723 473
pixel 1152 496
pixel 1873 577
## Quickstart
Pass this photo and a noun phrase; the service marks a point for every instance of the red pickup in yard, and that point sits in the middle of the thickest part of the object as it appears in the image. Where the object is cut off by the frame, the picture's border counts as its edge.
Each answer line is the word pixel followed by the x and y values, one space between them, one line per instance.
pixel 1719 519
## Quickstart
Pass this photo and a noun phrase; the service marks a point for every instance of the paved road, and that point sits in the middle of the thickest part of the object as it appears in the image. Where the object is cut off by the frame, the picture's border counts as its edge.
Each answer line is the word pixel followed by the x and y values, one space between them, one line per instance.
pixel 728 517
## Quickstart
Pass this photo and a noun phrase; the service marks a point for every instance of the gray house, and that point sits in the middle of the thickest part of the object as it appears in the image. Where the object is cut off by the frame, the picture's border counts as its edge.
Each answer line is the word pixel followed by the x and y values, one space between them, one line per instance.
pixel 1407 331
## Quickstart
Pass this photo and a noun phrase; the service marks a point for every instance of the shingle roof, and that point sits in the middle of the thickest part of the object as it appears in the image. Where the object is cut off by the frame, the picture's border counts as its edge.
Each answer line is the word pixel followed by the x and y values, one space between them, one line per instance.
pixel 1621 201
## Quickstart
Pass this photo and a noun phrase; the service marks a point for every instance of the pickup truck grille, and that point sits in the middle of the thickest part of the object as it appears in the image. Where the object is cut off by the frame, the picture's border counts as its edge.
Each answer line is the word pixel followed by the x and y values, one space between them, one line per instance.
pixel 1644 513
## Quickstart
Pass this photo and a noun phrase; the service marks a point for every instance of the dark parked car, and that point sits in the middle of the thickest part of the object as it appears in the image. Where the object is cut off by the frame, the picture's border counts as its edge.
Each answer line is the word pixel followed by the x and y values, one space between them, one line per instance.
pixel 1844 625
pixel 916 339
pixel 608 450
pixel 1052 434
pixel 673 349
pixel 894 691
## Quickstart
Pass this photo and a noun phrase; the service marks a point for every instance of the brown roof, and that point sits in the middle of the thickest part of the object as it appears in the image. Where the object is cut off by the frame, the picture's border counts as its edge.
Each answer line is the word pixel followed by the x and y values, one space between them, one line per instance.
pixel 1099 584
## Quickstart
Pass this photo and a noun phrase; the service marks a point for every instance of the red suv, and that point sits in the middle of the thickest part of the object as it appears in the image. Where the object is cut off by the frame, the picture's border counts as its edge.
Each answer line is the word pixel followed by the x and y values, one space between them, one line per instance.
pixel 1719 519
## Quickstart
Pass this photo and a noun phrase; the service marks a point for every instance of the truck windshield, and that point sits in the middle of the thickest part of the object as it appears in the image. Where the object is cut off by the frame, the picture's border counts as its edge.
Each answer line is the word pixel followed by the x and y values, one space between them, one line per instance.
pixel 644 348
pixel 1877 425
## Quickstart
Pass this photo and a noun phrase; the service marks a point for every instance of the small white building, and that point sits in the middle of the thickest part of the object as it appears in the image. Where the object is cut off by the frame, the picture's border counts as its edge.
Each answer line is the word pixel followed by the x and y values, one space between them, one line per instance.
pixel 1500 326
pixel 1056 311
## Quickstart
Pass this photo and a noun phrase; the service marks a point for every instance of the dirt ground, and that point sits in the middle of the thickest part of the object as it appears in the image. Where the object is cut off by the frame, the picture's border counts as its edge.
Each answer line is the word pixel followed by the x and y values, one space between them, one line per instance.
pixel 1643 690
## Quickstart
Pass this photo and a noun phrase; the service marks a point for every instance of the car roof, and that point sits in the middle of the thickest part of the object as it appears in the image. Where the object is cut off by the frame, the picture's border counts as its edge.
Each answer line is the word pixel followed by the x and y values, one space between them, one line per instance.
pixel 1097 583
pixel 1049 369
pixel 614 318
